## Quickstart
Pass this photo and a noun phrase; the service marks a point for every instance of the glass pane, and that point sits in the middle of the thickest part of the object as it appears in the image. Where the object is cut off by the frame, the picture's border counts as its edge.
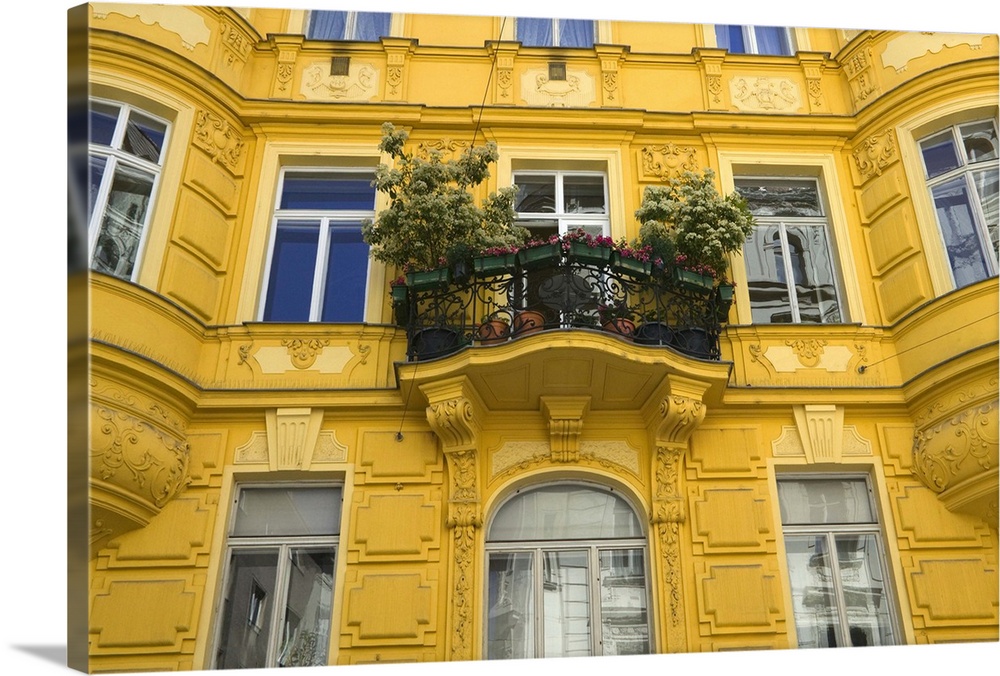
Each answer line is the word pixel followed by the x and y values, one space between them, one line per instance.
pixel 823 501
pixel 535 194
pixel 534 32
pixel 812 271
pixel 144 137
pixel 305 632
pixel 986 186
pixel 772 40
pixel 731 38
pixel 247 610
pixel 624 619
pixel 939 154
pixel 770 300
pixel 863 584
pixel 781 197
pixel 302 510
pixel 346 275
pixel 293 264
pixel 576 33
pixel 564 512
pixel 97 165
pixel 103 120
pixel 326 25
pixel 980 140
pixel 327 191
pixel 814 601
pixel 370 26
pixel 566 604
pixel 510 618
pixel 958 227
pixel 124 217
pixel 584 195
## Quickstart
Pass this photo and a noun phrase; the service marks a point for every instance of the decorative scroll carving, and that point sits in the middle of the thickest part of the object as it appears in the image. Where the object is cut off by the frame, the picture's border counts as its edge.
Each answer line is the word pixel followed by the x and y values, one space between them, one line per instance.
pixel 303 353
pixel 958 448
pixel 861 76
pixel 668 161
pixel 359 84
pixel 444 146
pixel 237 43
pixel 765 94
pixel 875 153
pixel 222 141
pixel 394 75
pixel 284 72
pixel 505 78
pixel 452 421
pixel 680 415
pixel 808 351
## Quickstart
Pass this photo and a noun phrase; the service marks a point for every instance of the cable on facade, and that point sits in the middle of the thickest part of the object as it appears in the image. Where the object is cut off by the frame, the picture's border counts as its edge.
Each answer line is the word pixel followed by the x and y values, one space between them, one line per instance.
pixel 864 367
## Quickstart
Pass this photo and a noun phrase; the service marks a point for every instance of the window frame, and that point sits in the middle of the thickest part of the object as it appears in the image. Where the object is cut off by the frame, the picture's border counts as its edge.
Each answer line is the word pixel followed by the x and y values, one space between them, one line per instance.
pixel 328 220
pixel 350 26
pixel 964 172
pixel 556 33
pixel 750 41
pixel 829 531
pixel 538 549
pixel 825 220
pixel 273 609
pixel 566 221
pixel 116 156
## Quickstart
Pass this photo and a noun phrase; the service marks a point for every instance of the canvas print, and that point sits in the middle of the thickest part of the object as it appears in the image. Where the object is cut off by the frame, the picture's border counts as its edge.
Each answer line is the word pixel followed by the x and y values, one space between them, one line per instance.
pixel 426 338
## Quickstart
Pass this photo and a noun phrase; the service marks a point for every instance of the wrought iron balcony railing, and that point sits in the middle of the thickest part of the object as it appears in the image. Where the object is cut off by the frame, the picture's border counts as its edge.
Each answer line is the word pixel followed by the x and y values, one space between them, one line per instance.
pixel 496 299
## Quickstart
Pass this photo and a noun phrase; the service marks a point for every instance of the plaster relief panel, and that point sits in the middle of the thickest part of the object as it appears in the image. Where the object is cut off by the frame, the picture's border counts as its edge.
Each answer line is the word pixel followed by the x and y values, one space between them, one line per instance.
pixel 253 451
pixel 861 76
pixel 730 520
pixel 874 153
pixel 725 451
pixel 739 598
pixel 911 45
pixel 172 538
pixel 360 84
pixel 202 228
pixel 221 140
pixel 397 607
pixel 796 355
pixel 578 90
pixel 664 162
pixel 901 290
pixel 414 457
pixel 302 354
pixel 133 614
pixel 399 526
pixel 925 522
pixel 329 448
pixel 187 24
pixel 892 237
pixel 952 591
pixel 883 191
pixel 760 94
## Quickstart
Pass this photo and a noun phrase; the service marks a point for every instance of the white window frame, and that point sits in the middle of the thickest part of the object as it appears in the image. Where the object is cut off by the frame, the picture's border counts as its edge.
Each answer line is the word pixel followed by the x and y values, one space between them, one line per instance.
pixel 283 544
pixel 539 548
pixel 829 531
pixel 328 219
pixel 965 170
pixel 750 40
pixel 567 221
pixel 782 222
pixel 115 156
pixel 350 25
pixel 556 41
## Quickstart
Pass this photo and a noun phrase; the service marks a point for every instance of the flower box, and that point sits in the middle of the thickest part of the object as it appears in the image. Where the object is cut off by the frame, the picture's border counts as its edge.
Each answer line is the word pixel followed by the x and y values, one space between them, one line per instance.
pixel 581 252
pixel 495 264
pixel 428 279
pixel 693 281
pixel 630 266
pixel 399 293
pixel 544 256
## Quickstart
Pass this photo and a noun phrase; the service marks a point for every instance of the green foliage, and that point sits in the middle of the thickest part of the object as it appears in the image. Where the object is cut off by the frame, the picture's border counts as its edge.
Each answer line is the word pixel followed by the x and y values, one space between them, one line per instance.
pixel 432 216
pixel 689 213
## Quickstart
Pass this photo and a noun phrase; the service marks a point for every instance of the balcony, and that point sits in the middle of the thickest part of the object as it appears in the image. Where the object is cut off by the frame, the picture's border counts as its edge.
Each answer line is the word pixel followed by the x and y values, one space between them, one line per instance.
pixel 492 300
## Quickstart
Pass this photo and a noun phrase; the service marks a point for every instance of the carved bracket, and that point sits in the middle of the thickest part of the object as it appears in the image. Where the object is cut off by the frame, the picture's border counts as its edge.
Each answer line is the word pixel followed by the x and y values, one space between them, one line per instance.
pixel 565 416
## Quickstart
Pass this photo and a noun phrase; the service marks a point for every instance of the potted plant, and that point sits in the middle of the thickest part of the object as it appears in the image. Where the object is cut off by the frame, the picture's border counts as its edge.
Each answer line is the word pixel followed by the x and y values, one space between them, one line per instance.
pixel 495 328
pixel 582 247
pixel 540 253
pixel 633 260
pixel 495 260
pixel 616 318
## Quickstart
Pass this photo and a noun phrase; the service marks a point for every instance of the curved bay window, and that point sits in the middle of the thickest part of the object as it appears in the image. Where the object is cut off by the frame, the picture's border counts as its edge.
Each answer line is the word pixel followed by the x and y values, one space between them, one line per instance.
pixel 566 568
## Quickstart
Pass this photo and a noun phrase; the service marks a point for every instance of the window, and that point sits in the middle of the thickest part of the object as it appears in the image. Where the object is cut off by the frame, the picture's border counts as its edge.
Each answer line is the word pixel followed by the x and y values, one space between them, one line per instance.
pixel 773 40
pixel 338 25
pixel 840 590
pixel 960 167
pixel 126 151
pixel 534 32
pixel 789 260
pixel 318 266
pixel 281 551
pixel 566 575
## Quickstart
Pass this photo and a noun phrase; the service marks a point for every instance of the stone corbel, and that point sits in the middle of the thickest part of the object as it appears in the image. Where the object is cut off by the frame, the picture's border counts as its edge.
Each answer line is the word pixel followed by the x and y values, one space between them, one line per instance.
pixel 710 62
pixel 611 58
pixel 812 68
pixel 286 49
pixel 565 416
pixel 504 54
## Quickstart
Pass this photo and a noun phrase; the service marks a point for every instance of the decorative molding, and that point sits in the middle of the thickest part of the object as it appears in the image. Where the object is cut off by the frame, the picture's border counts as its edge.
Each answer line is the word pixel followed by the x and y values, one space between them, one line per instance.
pixel 503 93
pixel 667 161
pixel 329 448
pixel 861 76
pixel 221 140
pixel 303 352
pixel 184 22
pixel 679 416
pixel 291 436
pixel 284 71
pixel 778 94
pixel 610 57
pixel 911 45
pixel 576 91
pixel 516 456
pixel 142 406
pixel 237 44
pixel 809 351
pixel 667 516
pixel 253 451
pixel 443 146
pixel 360 84
pixel 821 428
pixel 788 443
pixel 957 449
pixel 612 454
pixel 565 416
pixel 875 153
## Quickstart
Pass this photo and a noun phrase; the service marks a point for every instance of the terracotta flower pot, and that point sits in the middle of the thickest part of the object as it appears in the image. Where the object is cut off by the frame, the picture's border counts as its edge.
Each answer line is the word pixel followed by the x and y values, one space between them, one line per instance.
pixel 492 332
pixel 528 321
pixel 621 326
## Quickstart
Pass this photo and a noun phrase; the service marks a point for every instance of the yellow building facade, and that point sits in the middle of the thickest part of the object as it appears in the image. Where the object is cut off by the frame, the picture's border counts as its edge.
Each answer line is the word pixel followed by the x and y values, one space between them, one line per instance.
pixel 275 479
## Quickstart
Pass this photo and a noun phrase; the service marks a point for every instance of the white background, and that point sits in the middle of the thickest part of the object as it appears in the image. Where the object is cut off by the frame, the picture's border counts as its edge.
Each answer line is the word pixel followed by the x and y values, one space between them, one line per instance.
pixel 33 607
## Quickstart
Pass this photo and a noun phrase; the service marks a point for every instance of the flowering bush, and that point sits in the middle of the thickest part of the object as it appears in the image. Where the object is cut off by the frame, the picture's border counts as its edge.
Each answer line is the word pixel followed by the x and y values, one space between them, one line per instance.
pixel 640 252
pixel 702 225
pixel 681 261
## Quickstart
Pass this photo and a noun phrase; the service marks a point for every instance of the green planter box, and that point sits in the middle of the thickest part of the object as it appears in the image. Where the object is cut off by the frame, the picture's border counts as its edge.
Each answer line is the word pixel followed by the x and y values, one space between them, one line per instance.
pixel 593 255
pixel 630 266
pixel 693 281
pixel 399 293
pixel 495 265
pixel 428 279
pixel 545 256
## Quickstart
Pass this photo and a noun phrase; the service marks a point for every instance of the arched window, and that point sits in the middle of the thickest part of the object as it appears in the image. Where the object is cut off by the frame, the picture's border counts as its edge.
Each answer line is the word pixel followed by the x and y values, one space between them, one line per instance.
pixel 566 568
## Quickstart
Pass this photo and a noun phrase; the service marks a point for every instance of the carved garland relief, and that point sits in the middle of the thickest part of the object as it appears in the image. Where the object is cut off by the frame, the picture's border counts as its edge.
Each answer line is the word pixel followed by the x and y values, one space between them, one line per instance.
pixel 221 140
pixel 875 153
pixel 667 161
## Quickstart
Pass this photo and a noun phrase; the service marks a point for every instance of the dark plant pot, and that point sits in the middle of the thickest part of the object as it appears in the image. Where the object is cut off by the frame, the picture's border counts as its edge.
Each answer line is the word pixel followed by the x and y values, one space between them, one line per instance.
pixel 579 252
pixel 545 256
pixel 693 281
pixel 528 321
pixel 724 301
pixel 493 332
pixel 495 265
pixel 653 333
pixel 434 342
pixel 461 271
pixel 427 279
pixel 399 293
pixel 630 266
pixel 621 326
pixel 692 341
